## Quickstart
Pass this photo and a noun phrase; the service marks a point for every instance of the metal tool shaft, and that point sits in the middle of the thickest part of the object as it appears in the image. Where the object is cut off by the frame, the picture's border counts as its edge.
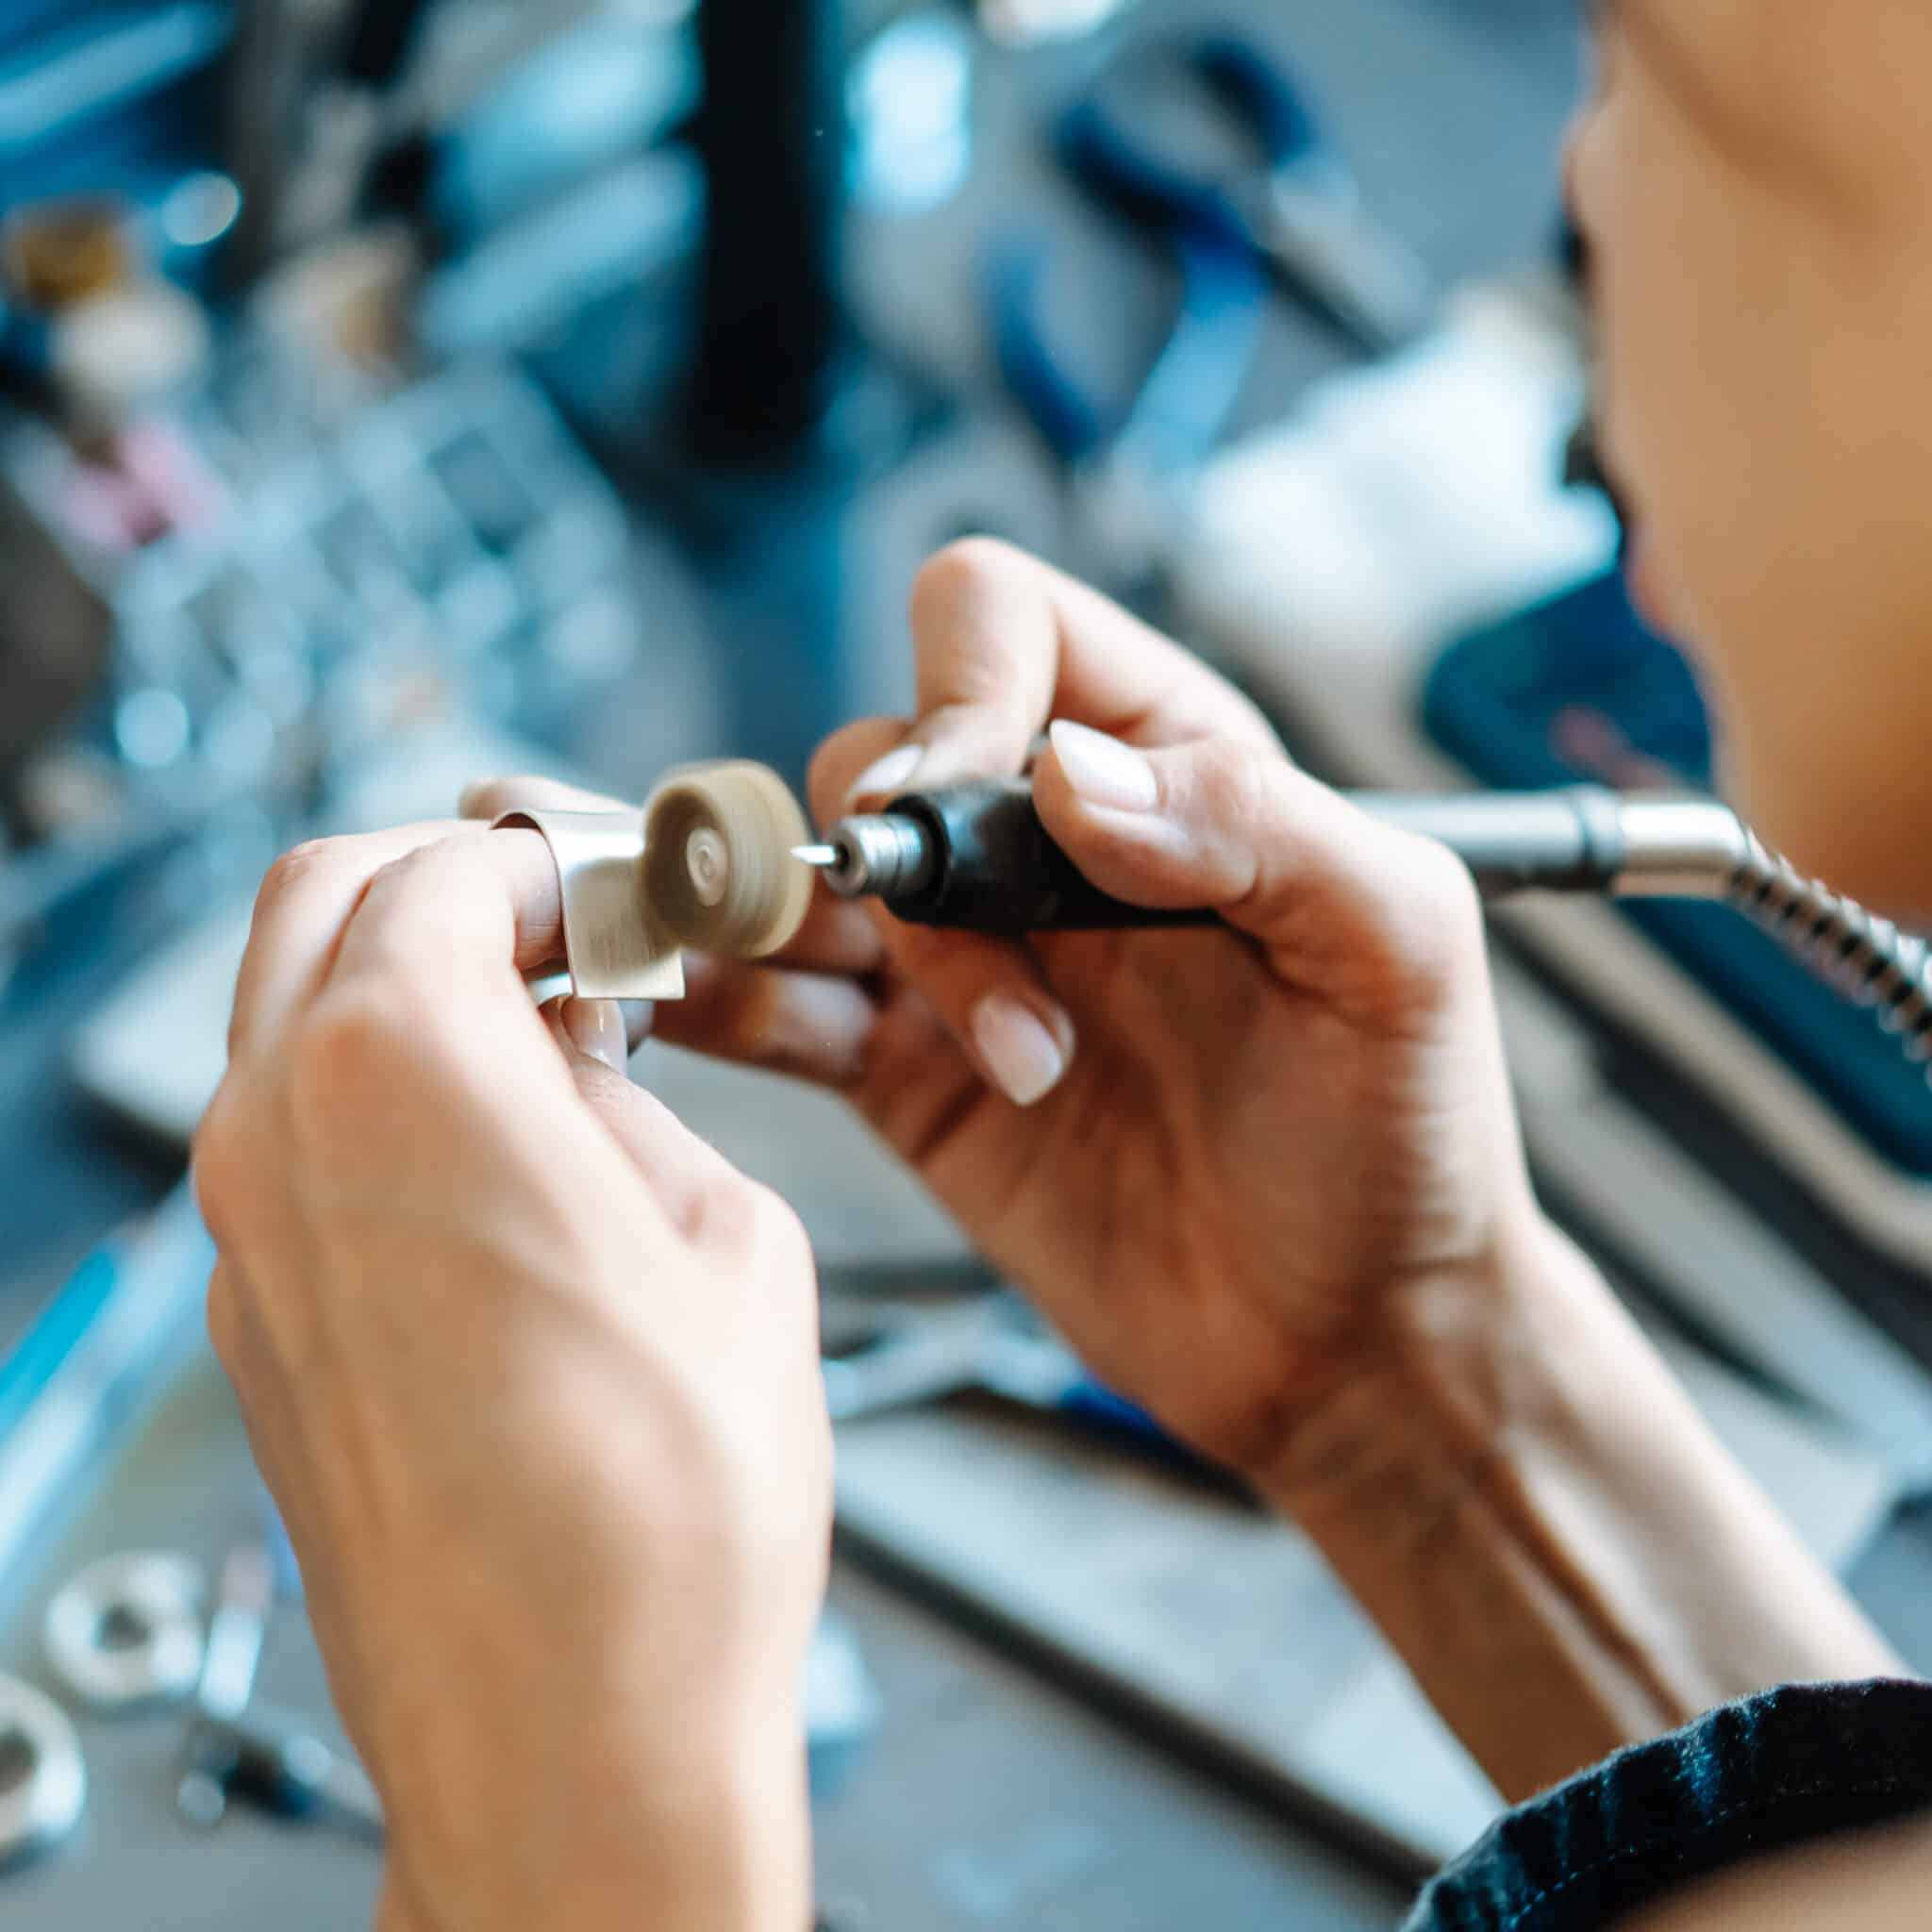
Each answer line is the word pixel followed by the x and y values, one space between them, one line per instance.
pixel 977 857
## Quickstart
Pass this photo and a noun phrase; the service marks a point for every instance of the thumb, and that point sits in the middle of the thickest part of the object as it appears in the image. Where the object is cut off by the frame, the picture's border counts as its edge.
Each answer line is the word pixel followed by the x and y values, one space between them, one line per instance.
pixel 1339 901
pixel 595 1029
pixel 679 1167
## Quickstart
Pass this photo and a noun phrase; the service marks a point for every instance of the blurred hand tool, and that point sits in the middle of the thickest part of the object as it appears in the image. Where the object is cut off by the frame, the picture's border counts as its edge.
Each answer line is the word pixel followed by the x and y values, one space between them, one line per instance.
pixel 1296 219
pixel 237 1631
pixel 238 1627
pixel 240 1748
pixel 992 1346
pixel 1298 215
pixel 273 1760
pixel 1122 465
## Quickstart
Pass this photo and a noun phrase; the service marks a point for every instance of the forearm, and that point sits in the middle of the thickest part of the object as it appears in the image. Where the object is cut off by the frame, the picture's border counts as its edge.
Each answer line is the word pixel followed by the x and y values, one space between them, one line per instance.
pixel 1536 1515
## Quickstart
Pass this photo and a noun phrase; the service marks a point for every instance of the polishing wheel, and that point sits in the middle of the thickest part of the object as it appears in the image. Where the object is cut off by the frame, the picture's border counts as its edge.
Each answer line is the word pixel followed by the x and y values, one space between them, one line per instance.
pixel 719 868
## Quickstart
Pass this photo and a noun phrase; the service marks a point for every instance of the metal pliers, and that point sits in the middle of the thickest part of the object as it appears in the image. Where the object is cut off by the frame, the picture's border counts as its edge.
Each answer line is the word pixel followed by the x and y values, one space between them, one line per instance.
pixel 1298 216
pixel 899 1359
pixel 1293 221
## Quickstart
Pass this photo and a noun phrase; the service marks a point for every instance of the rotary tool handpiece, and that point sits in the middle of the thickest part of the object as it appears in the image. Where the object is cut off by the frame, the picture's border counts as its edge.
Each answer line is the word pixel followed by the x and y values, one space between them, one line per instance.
pixel 975 858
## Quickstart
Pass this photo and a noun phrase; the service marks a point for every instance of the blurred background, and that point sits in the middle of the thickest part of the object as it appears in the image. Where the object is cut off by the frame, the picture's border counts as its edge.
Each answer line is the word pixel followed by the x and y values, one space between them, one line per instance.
pixel 395 392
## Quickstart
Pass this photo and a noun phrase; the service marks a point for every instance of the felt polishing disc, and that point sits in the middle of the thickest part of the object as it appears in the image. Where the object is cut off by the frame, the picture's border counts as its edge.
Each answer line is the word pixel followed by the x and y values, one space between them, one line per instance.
pixel 718 861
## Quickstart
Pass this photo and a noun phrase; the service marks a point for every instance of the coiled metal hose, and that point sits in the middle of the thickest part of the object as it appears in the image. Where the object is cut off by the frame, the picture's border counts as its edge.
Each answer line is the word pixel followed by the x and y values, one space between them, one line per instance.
pixel 1858 954
pixel 1584 838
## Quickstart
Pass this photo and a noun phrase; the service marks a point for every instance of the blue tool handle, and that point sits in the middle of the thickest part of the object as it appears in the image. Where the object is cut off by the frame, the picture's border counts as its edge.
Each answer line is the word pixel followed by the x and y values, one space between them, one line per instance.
pixel 1096 1407
pixel 1090 1401
pixel 1065 415
pixel 1252 85
pixel 1136 184
pixel 1192 390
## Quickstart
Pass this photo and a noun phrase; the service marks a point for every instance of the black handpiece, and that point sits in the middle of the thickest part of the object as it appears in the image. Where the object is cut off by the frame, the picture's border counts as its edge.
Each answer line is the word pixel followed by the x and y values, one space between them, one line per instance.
pixel 976 858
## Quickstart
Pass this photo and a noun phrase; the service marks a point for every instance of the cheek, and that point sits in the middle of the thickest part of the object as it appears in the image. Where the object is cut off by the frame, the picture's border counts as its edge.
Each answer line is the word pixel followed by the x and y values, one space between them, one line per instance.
pixel 1697 380
pixel 1762 403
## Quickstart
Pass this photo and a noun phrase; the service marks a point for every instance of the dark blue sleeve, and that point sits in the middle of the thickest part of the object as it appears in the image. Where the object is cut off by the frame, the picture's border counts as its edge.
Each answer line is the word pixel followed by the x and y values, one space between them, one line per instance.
pixel 1754 1777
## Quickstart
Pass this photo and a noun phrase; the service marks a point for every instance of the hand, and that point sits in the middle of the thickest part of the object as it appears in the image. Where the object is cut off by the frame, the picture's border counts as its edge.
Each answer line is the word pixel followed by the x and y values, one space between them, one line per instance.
pixel 1235 1168
pixel 1268 1182
pixel 534 1378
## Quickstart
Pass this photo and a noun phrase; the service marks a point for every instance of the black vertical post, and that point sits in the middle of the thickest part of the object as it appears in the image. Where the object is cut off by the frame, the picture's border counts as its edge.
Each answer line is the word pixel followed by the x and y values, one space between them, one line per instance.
pixel 382 35
pixel 773 135
pixel 259 121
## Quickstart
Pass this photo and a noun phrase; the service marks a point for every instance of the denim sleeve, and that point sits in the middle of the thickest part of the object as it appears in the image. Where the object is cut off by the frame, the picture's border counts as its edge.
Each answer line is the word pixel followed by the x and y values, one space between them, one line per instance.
pixel 1751 1778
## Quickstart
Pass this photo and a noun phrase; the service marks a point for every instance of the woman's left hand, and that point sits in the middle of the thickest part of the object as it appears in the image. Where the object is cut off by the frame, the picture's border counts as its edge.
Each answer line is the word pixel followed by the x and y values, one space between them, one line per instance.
pixel 533 1375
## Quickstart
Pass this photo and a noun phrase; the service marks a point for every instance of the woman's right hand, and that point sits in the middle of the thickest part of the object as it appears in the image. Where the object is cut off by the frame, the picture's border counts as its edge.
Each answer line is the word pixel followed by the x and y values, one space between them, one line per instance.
pixel 1243 1171
pixel 1268 1183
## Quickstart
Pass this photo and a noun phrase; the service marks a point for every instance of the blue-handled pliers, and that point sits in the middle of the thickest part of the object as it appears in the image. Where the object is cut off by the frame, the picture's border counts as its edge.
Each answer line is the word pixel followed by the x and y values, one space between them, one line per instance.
pixel 1293 220
pixel 991 1346
pixel 1298 215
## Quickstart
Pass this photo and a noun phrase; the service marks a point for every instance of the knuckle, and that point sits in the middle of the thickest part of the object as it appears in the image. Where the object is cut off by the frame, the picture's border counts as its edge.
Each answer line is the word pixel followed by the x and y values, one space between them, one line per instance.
pixel 450 884
pixel 1432 921
pixel 965 573
pixel 756 1225
pixel 708 1213
pixel 313 860
pixel 223 1165
pixel 1233 782
pixel 490 798
pixel 1444 894
pixel 968 565
pixel 775 1227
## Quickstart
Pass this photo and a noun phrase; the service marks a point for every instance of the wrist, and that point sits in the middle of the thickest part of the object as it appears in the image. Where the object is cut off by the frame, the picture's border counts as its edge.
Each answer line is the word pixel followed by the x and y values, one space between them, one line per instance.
pixel 1441 1390
pixel 1522 1495
pixel 714 1843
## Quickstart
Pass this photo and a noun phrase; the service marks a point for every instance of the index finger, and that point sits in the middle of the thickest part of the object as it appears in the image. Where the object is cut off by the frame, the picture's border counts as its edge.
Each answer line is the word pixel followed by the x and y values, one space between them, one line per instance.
pixel 481 904
pixel 1006 644
pixel 312 893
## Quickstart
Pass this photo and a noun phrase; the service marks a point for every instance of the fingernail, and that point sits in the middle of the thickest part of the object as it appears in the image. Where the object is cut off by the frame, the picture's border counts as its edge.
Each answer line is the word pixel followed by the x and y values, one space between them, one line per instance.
pixel 596 1029
pixel 1102 770
pixel 1021 1054
pixel 888 774
pixel 470 803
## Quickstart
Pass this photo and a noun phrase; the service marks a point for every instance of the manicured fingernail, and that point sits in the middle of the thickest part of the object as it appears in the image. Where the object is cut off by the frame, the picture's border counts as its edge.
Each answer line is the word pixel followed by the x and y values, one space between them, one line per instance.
pixel 470 805
pixel 1102 770
pixel 596 1029
pixel 888 774
pixel 1021 1054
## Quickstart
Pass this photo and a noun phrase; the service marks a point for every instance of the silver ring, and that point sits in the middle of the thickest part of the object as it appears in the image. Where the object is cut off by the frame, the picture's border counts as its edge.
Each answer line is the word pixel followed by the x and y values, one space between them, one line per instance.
pixel 614 948
pixel 46 1792
pixel 125 1634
